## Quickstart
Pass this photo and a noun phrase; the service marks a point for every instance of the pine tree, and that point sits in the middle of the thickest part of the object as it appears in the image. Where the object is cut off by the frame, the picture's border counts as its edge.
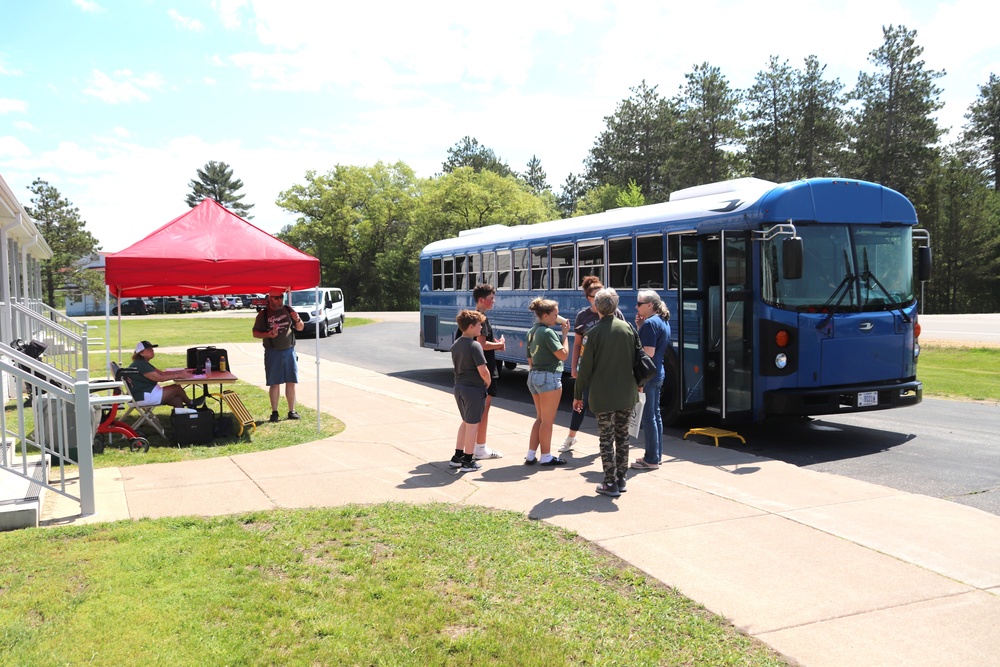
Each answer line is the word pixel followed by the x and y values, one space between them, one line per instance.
pixel 982 133
pixel 894 132
pixel 636 145
pixel 709 129
pixel 468 152
pixel 535 176
pixel 216 182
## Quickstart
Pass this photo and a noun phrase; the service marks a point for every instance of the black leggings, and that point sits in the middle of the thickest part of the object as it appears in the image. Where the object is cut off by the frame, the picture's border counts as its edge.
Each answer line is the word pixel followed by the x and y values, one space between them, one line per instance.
pixel 576 420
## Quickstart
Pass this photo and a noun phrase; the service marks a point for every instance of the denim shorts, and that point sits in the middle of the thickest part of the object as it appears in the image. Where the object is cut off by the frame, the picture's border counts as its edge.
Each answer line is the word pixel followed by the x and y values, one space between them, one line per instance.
pixel 540 382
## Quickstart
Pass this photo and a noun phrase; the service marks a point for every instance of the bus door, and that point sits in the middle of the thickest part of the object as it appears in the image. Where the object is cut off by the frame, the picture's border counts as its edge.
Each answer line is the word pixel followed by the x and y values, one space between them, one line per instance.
pixel 728 336
pixel 689 322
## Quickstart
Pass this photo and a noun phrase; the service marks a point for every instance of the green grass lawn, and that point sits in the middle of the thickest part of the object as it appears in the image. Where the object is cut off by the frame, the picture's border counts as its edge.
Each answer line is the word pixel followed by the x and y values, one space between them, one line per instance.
pixel 383 585
pixel 391 584
pixel 960 372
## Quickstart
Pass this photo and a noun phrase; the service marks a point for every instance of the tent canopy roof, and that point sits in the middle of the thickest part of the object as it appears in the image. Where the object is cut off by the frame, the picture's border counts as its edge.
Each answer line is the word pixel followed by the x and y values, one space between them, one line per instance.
pixel 208 250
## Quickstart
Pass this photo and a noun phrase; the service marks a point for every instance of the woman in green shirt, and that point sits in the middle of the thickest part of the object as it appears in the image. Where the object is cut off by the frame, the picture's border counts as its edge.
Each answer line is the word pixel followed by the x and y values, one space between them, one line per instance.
pixel 546 354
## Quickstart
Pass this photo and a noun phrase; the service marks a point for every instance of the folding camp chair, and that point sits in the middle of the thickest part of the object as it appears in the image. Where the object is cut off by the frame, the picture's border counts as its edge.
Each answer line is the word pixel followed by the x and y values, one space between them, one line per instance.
pixel 127 376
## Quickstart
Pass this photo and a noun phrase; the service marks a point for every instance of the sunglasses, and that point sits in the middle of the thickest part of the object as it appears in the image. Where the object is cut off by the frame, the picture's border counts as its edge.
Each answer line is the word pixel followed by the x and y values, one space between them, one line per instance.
pixel 277 298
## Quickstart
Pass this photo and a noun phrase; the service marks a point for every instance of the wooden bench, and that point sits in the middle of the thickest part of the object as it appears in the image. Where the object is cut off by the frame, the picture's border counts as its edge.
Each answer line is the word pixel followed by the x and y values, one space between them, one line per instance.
pixel 243 416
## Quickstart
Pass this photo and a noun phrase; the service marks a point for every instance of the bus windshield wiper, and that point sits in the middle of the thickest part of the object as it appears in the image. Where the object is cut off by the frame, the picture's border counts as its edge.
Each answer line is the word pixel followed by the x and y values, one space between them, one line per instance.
pixel 868 277
pixel 842 289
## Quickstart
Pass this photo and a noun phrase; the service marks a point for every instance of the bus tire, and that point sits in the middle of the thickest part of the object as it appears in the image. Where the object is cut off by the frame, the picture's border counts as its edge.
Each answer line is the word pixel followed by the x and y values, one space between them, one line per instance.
pixel 510 365
pixel 670 395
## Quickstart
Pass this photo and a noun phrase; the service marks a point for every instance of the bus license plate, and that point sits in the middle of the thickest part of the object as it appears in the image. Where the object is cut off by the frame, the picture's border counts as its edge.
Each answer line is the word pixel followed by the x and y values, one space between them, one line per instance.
pixel 867 398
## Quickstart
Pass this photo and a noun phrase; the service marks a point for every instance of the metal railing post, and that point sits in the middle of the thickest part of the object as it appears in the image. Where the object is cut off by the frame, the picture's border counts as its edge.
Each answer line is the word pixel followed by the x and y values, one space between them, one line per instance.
pixel 84 440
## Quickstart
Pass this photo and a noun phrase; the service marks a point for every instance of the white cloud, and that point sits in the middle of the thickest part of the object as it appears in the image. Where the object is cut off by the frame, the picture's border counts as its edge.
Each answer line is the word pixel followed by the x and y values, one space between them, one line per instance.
pixel 25 125
pixel 209 81
pixel 8 105
pixel 125 87
pixel 6 71
pixel 184 22
pixel 229 12
pixel 122 132
pixel 11 147
pixel 88 6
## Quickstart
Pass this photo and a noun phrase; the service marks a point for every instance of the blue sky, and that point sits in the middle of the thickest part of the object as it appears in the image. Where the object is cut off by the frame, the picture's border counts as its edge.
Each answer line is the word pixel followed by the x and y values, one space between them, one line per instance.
pixel 118 102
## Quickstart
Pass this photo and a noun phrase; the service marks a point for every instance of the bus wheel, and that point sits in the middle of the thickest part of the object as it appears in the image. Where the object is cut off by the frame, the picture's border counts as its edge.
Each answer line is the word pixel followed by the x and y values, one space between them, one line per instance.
pixel 510 365
pixel 670 397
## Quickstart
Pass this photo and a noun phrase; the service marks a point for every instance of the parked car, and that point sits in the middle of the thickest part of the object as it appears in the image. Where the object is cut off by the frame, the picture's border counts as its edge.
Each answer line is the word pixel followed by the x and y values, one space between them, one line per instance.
pixel 166 304
pixel 246 299
pixel 327 313
pixel 135 307
pixel 224 303
pixel 211 302
pixel 259 301
pixel 189 305
pixel 235 301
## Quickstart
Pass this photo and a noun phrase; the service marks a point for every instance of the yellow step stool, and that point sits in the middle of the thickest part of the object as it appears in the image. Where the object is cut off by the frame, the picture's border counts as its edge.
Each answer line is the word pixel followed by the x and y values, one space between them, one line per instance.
pixel 243 416
pixel 715 433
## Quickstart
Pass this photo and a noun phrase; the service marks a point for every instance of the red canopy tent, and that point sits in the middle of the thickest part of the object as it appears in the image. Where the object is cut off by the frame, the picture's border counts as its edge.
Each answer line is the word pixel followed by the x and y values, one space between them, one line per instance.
pixel 208 250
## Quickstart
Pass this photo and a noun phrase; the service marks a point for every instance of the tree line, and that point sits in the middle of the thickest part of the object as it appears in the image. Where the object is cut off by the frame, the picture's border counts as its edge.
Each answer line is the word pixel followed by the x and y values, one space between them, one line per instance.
pixel 367 224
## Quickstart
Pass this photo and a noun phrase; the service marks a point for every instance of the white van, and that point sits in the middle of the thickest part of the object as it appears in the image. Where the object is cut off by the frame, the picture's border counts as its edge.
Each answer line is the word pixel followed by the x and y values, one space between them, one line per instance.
pixel 328 311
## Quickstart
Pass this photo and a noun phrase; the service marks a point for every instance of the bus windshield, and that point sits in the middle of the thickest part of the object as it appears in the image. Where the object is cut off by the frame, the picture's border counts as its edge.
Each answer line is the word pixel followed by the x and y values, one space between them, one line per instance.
pixel 844 268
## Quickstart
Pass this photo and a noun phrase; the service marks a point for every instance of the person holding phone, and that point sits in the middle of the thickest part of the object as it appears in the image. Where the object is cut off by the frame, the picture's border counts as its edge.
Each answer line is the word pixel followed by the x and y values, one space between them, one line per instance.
pixel 276 325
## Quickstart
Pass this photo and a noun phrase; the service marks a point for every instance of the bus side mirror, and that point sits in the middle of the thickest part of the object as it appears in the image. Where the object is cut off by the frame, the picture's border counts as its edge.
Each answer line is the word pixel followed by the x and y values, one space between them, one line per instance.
pixel 791 258
pixel 923 263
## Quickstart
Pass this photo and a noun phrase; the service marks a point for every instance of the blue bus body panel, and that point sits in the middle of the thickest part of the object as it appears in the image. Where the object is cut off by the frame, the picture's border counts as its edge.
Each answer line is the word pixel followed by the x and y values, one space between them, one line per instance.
pixel 836 200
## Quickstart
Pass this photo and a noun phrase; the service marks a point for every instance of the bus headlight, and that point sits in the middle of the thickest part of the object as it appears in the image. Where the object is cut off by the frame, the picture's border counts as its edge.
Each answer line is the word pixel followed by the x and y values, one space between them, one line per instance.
pixel 780 361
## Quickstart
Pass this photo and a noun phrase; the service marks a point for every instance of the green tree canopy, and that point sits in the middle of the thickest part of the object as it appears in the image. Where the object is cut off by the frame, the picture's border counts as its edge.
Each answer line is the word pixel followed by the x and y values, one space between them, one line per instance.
pixel 355 220
pixel 64 231
pixel 216 181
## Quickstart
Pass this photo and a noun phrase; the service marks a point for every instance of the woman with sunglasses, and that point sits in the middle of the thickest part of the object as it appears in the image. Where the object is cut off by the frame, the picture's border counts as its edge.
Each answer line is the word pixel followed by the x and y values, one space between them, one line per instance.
pixel 586 319
pixel 653 319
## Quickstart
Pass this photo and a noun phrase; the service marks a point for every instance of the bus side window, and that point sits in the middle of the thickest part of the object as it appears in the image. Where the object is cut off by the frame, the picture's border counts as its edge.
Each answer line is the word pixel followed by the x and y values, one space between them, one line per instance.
pixel 620 263
pixel 563 266
pixel 539 268
pixel 649 261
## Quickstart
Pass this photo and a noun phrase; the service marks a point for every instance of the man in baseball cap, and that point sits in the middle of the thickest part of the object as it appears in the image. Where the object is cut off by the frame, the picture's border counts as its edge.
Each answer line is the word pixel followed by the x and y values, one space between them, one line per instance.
pixel 150 377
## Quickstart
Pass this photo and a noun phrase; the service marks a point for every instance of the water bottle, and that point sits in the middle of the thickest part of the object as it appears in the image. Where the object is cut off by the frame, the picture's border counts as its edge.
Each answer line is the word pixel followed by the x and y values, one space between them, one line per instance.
pixel 208 366
pixel 222 364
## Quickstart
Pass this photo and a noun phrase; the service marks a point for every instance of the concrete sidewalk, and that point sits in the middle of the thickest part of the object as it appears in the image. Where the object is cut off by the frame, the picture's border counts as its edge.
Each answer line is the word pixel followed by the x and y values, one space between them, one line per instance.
pixel 825 569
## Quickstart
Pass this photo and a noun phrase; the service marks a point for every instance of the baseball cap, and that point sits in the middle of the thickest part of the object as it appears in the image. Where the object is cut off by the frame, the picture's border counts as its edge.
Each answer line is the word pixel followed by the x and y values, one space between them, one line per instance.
pixel 143 345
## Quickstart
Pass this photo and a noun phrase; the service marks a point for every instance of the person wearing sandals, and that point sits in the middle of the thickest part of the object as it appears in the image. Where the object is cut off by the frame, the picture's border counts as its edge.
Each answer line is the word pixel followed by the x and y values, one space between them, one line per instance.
pixel 546 353
pixel 472 377
pixel 585 320
pixel 606 371
pixel 652 318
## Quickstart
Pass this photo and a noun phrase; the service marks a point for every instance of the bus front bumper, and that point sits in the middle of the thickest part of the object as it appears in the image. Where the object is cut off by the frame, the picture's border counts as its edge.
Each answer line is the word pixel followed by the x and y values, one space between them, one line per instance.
pixel 833 400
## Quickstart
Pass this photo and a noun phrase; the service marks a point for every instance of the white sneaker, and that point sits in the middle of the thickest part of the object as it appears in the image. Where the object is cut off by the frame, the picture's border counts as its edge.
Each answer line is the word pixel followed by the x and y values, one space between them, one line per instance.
pixel 568 444
pixel 487 453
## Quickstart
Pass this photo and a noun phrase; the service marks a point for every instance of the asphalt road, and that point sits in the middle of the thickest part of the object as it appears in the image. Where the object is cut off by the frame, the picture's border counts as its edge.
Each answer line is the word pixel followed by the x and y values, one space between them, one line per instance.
pixel 945 449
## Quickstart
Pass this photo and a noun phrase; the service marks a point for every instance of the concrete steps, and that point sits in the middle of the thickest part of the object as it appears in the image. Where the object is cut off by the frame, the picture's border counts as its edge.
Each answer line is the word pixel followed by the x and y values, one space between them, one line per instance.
pixel 21 499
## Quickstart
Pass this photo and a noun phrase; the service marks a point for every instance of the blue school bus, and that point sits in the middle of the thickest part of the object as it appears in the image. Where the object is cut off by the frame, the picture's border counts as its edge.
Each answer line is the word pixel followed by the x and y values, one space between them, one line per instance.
pixel 785 299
